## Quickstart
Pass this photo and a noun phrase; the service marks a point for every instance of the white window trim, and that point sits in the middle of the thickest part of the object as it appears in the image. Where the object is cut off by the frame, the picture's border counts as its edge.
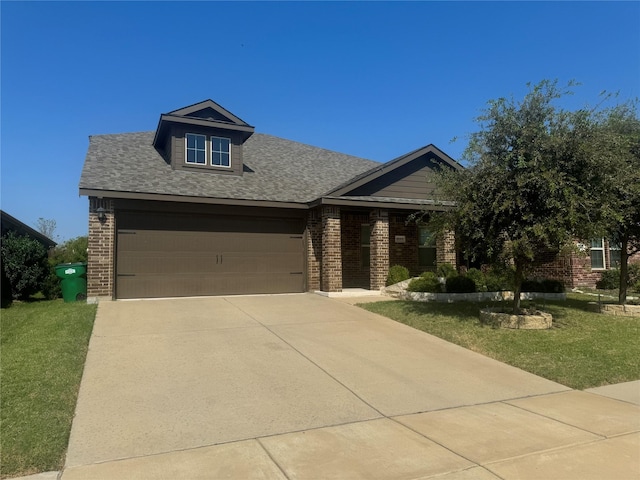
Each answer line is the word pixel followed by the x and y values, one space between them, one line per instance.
pixel 212 152
pixel 186 149
pixel 604 258
pixel 614 248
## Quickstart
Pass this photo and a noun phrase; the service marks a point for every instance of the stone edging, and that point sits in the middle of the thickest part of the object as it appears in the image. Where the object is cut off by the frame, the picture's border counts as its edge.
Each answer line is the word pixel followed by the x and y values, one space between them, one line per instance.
pixel 614 309
pixel 531 321
pixel 471 297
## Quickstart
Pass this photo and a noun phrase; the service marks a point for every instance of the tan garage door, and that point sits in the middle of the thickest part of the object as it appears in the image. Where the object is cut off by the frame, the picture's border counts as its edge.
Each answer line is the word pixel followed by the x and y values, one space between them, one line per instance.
pixel 174 255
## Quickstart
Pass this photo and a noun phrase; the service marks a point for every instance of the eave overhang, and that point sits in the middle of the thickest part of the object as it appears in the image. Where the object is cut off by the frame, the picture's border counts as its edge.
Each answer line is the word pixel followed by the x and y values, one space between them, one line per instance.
pixel 190 199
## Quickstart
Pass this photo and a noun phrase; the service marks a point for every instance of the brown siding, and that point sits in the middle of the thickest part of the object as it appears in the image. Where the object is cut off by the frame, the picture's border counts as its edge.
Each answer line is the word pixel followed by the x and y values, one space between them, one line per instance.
pixel 411 180
pixel 178 133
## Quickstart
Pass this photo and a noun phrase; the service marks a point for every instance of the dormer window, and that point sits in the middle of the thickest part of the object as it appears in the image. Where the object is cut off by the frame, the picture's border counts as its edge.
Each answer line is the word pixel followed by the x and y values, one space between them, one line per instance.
pixel 197 146
pixel 220 151
pixel 196 149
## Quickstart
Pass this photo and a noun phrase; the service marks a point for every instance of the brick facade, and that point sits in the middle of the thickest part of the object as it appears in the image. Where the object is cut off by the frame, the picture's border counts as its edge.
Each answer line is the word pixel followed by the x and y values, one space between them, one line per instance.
pixel 314 249
pixel 355 269
pixel 379 222
pixel 331 250
pixel 574 269
pixel 101 266
pixel 446 249
pixel 405 254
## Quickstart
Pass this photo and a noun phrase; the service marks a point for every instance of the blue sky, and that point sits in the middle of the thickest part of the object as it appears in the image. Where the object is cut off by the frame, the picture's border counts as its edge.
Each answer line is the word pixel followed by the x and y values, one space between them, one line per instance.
pixel 374 80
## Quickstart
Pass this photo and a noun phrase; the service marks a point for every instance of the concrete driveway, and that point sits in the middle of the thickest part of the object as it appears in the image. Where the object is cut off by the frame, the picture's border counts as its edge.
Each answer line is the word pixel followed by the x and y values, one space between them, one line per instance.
pixel 303 386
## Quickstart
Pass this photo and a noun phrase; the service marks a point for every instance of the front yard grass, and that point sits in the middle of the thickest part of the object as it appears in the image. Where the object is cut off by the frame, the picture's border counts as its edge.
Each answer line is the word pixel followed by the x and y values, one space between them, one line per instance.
pixel 43 346
pixel 581 350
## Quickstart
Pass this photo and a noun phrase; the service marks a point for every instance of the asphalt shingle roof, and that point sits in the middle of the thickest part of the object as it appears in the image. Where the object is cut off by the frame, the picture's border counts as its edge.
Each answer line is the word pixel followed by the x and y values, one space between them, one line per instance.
pixel 276 170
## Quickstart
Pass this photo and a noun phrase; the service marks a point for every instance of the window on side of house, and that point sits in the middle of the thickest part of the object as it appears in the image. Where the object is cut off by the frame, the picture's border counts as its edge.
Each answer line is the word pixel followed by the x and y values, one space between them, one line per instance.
pixel 220 152
pixel 426 248
pixel 597 254
pixel 614 254
pixel 196 150
pixel 365 245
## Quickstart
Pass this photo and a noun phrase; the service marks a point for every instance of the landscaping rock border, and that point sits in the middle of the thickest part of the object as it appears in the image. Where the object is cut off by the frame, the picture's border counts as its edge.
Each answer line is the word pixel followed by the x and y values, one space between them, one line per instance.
pixel 614 309
pixel 530 321
pixel 400 291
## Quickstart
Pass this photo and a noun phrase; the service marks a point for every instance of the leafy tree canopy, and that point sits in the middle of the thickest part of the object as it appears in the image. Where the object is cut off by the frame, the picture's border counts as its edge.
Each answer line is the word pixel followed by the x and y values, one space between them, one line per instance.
pixel 523 195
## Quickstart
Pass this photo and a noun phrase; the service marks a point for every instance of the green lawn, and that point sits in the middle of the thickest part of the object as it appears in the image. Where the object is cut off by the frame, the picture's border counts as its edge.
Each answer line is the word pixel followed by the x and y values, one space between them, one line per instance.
pixel 43 347
pixel 581 350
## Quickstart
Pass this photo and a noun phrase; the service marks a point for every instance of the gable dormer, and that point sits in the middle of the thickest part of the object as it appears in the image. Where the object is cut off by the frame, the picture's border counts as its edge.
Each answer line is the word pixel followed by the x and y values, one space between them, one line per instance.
pixel 203 137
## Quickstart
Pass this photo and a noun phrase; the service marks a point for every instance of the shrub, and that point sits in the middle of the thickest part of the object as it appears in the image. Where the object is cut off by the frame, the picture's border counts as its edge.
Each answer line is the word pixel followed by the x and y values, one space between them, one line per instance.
pixel 497 279
pixel 25 264
pixel 636 287
pixel 552 286
pixel 634 273
pixel 478 278
pixel 460 284
pixel 446 270
pixel 530 285
pixel 397 273
pixel 427 282
pixel 610 280
pixel 5 286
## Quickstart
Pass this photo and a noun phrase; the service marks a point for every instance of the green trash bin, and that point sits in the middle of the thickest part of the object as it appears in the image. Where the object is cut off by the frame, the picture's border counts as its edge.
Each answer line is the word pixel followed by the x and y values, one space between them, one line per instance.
pixel 74 281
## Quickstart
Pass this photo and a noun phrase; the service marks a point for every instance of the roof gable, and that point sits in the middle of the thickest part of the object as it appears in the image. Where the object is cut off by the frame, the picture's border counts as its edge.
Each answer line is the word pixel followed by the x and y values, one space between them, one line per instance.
pixel 206 114
pixel 208 110
pixel 403 177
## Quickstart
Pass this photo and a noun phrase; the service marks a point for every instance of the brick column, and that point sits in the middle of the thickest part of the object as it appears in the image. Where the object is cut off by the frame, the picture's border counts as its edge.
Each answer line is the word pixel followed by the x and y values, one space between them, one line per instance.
pixel 100 266
pixel 446 249
pixel 331 250
pixel 314 249
pixel 379 247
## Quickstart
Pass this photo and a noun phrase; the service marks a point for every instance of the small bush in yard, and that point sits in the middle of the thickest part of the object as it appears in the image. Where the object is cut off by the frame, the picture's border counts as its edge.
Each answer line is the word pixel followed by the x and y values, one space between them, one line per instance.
pixel 552 286
pixel 397 273
pixel 497 280
pixel 460 284
pixel 532 286
pixel 636 287
pixel 446 270
pixel 427 282
pixel 478 278
pixel 609 280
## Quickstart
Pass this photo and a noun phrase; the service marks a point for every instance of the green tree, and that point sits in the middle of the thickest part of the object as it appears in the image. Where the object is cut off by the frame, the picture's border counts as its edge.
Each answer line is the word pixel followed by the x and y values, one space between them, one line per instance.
pixel 523 196
pixel 615 178
pixel 25 264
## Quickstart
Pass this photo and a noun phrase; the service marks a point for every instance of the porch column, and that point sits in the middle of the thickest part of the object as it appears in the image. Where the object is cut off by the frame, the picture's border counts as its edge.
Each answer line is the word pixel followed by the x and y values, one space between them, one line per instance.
pixel 446 249
pixel 379 247
pixel 331 249
pixel 100 258
pixel 314 249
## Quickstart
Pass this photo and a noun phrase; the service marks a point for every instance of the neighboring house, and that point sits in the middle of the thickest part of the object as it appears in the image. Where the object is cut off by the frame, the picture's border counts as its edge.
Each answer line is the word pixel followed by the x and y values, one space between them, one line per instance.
pixel 9 223
pixel 205 206
pixel 584 267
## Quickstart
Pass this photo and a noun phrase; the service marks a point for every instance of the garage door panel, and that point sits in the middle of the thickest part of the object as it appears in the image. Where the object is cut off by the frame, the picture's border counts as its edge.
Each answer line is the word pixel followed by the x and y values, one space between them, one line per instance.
pixel 160 256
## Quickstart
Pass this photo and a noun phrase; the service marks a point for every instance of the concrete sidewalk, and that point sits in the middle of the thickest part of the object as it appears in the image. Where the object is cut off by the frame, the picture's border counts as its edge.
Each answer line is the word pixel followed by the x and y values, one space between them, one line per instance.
pixel 302 386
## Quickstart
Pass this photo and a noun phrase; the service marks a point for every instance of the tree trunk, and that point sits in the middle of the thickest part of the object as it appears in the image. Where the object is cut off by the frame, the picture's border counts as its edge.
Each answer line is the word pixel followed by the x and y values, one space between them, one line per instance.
pixel 517 287
pixel 624 269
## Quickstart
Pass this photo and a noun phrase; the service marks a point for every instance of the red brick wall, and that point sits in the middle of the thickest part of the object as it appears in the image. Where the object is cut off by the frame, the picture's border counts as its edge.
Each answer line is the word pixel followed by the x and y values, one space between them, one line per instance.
pixel 314 249
pixel 353 273
pixel 379 221
pixel 405 254
pixel 100 264
pixel 331 267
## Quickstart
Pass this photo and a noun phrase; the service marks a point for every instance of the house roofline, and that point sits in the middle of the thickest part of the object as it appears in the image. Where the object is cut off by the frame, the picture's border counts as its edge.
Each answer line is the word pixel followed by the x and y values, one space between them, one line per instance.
pixel 391 165
pixel 189 199
pixel 5 219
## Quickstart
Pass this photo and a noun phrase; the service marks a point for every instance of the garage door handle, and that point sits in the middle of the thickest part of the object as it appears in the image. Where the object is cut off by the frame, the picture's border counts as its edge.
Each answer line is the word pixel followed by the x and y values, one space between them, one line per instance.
pixel 295 273
pixel 126 274
pixel 126 232
pixel 300 236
